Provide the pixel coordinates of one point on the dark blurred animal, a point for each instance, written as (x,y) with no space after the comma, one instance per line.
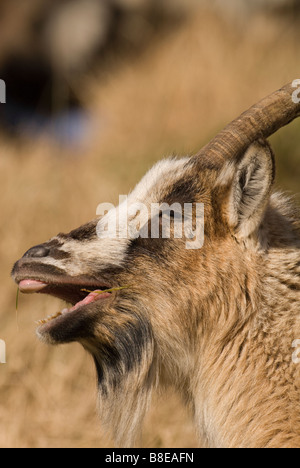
(48,47)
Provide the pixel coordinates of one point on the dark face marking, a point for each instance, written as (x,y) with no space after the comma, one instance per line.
(186,190)
(33,270)
(83,233)
(121,345)
(58,254)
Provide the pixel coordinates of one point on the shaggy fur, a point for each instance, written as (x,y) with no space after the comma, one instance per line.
(216,323)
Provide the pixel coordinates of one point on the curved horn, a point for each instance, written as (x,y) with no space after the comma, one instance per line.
(260,121)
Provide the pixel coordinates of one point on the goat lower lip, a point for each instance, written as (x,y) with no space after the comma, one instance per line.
(31,286)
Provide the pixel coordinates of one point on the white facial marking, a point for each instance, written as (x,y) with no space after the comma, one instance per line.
(111,250)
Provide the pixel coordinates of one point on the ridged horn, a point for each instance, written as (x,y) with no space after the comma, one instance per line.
(260,121)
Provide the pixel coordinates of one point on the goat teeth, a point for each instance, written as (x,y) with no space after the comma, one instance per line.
(56,315)
(48,319)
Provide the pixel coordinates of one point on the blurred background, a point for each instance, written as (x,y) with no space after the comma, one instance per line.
(97,91)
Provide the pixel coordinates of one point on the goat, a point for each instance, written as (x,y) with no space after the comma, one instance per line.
(217,323)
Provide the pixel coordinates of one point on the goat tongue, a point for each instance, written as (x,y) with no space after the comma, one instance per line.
(92,297)
(29,286)
(87,300)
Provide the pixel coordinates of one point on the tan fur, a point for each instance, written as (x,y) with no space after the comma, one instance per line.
(231,359)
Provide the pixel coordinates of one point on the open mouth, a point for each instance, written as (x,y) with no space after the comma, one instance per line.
(78,295)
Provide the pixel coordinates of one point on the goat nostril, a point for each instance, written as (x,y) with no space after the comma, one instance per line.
(37,252)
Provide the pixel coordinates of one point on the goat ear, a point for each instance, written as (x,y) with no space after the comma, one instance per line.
(250,191)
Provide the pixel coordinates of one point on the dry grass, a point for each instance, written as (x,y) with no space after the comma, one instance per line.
(173,99)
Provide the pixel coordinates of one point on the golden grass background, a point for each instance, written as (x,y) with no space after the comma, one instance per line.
(173,99)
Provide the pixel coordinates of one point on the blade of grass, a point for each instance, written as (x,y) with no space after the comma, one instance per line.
(105,290)
(17,299)
(17,307)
